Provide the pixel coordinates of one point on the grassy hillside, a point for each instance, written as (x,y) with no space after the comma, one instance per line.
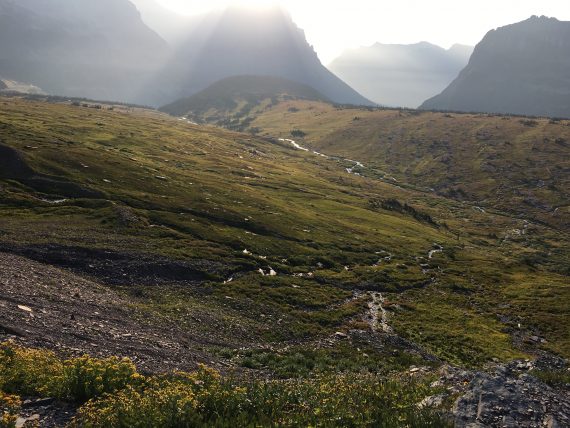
(147,184)
(513,164)
(263,259)
(231,99)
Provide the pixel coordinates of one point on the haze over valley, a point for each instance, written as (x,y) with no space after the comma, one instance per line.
(289,214)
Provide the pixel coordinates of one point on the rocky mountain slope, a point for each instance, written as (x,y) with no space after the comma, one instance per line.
(401,75)
(171,26)
(242,41)
(520,69)
(97,49)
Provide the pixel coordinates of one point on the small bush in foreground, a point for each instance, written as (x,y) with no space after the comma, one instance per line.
(120,397)
(9,405)
(41,373)
(205,399)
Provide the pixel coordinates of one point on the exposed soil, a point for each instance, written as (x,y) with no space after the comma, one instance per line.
(114,268)
(43,306)
(47,412)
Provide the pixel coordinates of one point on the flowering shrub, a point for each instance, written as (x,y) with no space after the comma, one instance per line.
(114,395)
(204,399)
(42,373)
(85,378)
(9,405)
(28,371)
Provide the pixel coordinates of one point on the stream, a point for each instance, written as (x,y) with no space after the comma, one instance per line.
(378,314)
(348,170)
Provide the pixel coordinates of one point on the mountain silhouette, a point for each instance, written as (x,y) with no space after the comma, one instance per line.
(522,68)
(98,49)
(243,41)
(401,75)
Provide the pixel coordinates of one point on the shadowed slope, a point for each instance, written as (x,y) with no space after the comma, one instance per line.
(522,68)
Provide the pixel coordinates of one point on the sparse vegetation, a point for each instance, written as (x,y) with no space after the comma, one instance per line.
(268,252)
(529,122)
(205,398)
(556,378)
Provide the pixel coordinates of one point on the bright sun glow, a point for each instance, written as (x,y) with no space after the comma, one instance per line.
(197,7)
(335,25)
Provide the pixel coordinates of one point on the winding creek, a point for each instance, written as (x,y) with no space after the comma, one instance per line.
(350,170)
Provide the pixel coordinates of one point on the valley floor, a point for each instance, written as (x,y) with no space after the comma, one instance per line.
(316,296)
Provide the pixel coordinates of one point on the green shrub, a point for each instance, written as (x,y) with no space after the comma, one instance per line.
(85,378)
(28,371)
(9,406)
(120,397)
(559,377)
(41,373)
(191,401)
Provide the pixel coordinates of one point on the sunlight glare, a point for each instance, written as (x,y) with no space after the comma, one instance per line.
(185,7)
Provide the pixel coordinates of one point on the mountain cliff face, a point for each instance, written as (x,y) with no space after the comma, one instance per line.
(2,85)
(401,75)
(171,26)
(240,41)
(82,48)
(522,68)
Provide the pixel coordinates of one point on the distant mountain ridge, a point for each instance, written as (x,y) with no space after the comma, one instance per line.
(226,94)
(96,49)
(401,75)
(104,50)
(522,68)
(242,41)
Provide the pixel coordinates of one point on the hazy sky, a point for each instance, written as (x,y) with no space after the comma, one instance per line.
(332,26)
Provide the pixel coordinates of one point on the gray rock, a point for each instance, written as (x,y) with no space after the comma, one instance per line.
(510,398)
(433,401)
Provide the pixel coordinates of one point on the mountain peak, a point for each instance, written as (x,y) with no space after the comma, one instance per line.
(242,41)
(521,68)
(542,18)
(96,49)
